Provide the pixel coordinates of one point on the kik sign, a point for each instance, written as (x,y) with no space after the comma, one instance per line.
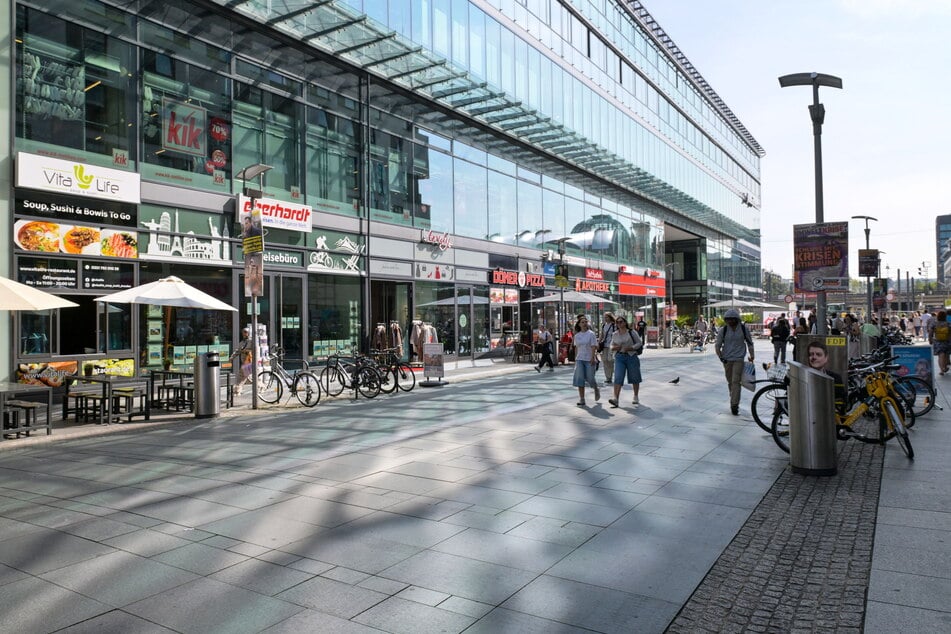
(184,127)
(76,179)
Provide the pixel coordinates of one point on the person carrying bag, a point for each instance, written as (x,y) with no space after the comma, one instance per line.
(732,342)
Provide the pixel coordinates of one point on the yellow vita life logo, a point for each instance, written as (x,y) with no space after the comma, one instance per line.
(82,180)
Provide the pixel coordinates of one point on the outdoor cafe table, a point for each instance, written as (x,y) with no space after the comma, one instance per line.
(8,390)
(163,381)
(110,383)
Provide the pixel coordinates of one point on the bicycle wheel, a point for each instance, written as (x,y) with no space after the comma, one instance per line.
(405,377)
(764,404)
(307,388)
(894,422)
(388,379)
(369,382)
(331,380)
(916,392)
(270,386)
(779,423)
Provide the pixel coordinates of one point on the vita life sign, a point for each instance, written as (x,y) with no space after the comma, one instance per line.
(45,173)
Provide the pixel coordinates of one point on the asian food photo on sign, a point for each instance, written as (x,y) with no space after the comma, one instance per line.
(51,237)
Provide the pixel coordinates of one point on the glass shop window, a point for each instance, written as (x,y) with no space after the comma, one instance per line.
(74,88)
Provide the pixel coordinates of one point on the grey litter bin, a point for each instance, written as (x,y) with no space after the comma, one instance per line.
(867,343)
(812,438)
(207,385)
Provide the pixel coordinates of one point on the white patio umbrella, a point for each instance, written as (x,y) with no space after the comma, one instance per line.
(168,291)
(17,296)
(571,296)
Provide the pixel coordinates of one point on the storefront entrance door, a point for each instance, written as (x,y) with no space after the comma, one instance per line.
(281,310)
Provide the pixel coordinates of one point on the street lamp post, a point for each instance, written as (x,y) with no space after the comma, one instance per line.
(561,273)
(253,171)
(868,281)
(817,113)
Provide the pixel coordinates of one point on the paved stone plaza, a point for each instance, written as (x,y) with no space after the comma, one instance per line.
(493,504)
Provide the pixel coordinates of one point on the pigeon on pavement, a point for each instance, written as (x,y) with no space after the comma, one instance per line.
(675,381)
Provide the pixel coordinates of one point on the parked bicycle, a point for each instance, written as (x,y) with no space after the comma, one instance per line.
(395,373)
(881,404)
(354,371)
(302,383)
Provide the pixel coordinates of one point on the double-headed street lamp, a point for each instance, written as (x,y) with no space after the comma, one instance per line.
(868,282)
(817,113)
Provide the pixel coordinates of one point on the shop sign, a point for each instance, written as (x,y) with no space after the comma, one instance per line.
(40,235)
(70,210)
(184,127)
(277,214)
(516,278)
(594,274)
(337,252)
(592,286)
(106,276)
(292,259)
(433,360)
(434,271)
(182,236)
(76,179)
(51,373)
(47,273)
(647,285)
(441,240)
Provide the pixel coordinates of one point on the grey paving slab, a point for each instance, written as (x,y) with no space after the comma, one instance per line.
(710,495)
(317,512)
(502,620)
(44,550)
(207,606)
(261,576)
(570,511)
(487,519)
(353,550)
(479,495)
(9,575)
(717,530)
(200,559)
(912,538)
(921,561)
(636,466)
(346,575)
(405,617)
(262,527)
(118,578)
(591,607)
(146,542)
(507,550)
(403,529)
(428,507)
(595,495)
(913,590)
(894,516)
(333,597)
(571,534)
(317,621)
(99,528)
(116,622)
(460,576)
(187,511)
(35,605)
(887,618)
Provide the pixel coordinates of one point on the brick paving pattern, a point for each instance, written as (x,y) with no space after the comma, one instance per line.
(802,561)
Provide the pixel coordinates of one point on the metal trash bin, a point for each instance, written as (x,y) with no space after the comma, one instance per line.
(668,337)
(812,437)
(207,385)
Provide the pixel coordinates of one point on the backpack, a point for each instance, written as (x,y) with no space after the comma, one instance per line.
(942,331)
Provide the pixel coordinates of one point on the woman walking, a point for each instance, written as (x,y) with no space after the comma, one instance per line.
(586,355)
(626,345)
(546,345)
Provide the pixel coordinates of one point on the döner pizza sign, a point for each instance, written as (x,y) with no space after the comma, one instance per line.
(516,278)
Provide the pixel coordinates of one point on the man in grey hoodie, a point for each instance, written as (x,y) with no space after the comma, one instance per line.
(732,342)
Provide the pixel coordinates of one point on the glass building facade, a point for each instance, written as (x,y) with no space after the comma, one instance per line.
(448,157)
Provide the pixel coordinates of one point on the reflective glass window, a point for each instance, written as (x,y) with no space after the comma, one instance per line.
(434,181)
(503,205)
(332,162)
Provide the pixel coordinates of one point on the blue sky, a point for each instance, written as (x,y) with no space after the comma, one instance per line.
(886,140)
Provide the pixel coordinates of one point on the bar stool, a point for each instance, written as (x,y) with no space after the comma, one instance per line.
(11,421)
(29,409)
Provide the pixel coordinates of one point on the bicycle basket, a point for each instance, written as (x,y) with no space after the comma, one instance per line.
(777,372)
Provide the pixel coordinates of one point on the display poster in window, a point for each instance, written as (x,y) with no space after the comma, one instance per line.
(821,253)
(433,360)
(155,330)
(496,295)
(51,373)
(48,273)
(254,275)
(511,296)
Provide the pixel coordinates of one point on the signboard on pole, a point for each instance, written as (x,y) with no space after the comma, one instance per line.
(868,262)
(821,253)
